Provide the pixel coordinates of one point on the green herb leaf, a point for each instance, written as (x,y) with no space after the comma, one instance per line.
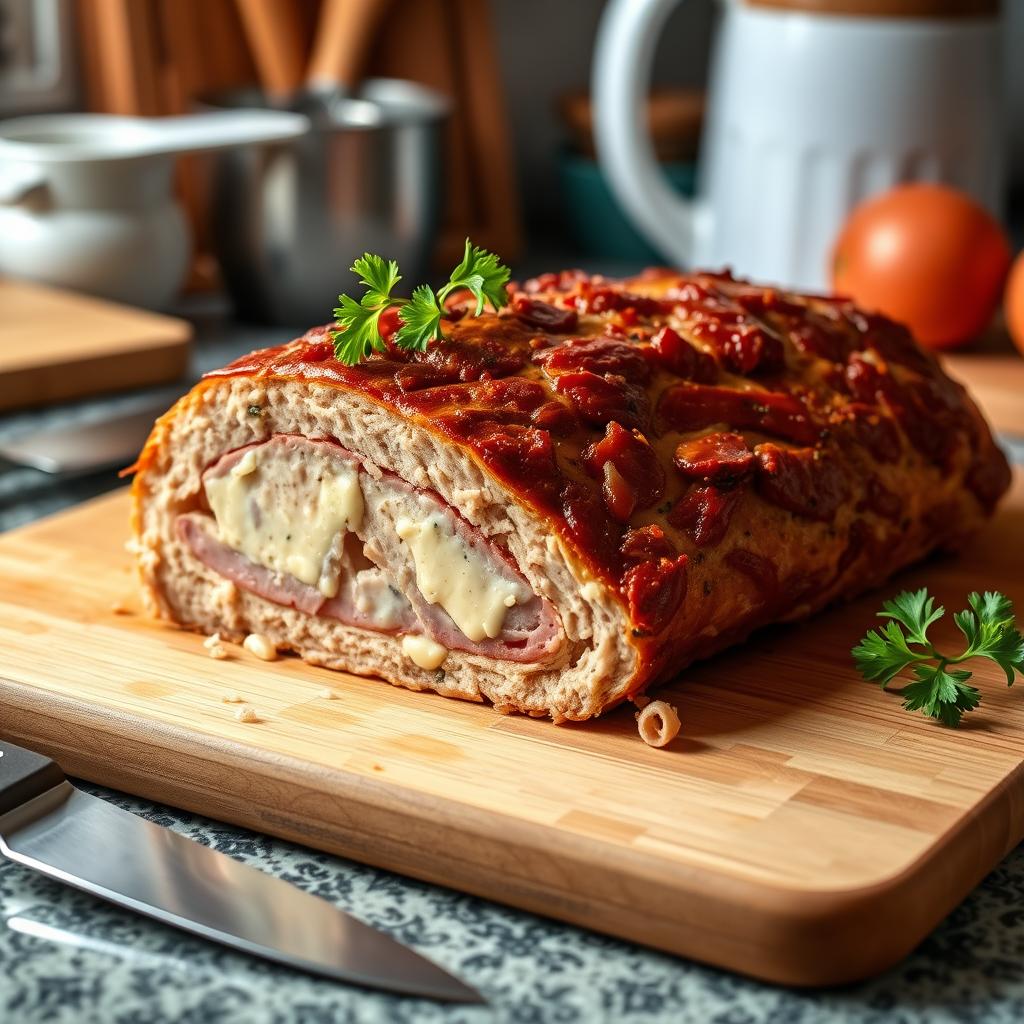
(359,334)
(358,322)
(483,274)
(939,690)
(990,632)
(915,611)
(941,694)
(421,320)
(379,276)
(883,654)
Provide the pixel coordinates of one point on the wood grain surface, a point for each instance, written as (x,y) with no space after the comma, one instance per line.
(803,829)
(56,345)
(994,374)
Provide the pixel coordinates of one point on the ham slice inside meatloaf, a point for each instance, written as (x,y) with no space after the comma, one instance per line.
(300,522)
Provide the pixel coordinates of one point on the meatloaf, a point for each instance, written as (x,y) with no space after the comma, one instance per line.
(566,502)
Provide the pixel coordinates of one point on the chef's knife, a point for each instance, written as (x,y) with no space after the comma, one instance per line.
(79,448)
(49,825)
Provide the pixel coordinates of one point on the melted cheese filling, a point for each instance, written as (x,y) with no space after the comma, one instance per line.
(462,580)
(287,515)
(290,506)
(423,651)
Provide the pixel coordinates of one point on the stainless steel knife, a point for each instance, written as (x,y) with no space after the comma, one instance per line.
(78,448)
(49,825)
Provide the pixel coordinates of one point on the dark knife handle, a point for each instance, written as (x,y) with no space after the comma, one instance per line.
(24,775)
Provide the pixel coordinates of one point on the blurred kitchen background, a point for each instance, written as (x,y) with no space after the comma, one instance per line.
(431,121)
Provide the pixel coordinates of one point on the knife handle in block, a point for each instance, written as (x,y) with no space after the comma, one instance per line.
(24,775)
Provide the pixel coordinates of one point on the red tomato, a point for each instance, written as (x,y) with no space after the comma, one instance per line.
(1013,302)
(927,256)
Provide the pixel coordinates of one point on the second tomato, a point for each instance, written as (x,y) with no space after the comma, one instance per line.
(927,256)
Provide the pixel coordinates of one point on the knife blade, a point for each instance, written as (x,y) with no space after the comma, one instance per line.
(49,825)
(81,448)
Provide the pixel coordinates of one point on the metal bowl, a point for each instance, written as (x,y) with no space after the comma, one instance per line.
(288,219)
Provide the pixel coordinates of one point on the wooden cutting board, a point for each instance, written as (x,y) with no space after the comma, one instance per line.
(56,345)
(804,828)
(993,372)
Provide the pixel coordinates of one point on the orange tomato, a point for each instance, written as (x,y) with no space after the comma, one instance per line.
(927,256)
(1013,302)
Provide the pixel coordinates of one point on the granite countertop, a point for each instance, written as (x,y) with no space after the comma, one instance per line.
(67,957)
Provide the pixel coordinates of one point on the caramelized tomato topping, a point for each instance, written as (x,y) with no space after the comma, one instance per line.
(889,339)
(720,458)
(589,522)
(654,591)
(670,351)
(811,338)
(870,428)
(695,406)
(803,481)
(599,399)
(513,394)
(743,347)
(544,316)
(460,361)
(388,325)
(521,453)
(604,299)
(631,476)
(646,542)
(704,513)
(598,355)
(866,382)
(556,417)
(561,281)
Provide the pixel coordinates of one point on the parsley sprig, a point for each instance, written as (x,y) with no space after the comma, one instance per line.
(939,690)
(358,321)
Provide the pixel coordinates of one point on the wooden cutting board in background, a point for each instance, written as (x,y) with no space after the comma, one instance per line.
(56,345)
(803,828)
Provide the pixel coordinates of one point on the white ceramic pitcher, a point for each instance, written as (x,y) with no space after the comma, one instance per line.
(808,113)
(86,199)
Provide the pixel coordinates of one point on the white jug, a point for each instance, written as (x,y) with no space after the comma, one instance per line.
(808,113)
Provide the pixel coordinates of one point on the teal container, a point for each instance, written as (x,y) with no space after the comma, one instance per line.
(597,224)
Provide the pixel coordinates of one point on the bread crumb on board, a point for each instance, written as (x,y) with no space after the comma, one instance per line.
(232,697)
(120,608)
(247,713)
(327,694)
(658,723)
(214,647)
(261,646)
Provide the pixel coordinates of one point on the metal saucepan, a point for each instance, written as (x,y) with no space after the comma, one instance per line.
(290,218)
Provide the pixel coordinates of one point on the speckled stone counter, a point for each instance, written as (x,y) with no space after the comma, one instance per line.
(70,959)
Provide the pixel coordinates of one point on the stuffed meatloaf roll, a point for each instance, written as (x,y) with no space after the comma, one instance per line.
(564,503)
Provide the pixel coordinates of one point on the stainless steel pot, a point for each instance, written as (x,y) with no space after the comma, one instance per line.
(289,219)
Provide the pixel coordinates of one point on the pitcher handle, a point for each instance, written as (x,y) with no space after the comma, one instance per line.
(23,185)
(620,78)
